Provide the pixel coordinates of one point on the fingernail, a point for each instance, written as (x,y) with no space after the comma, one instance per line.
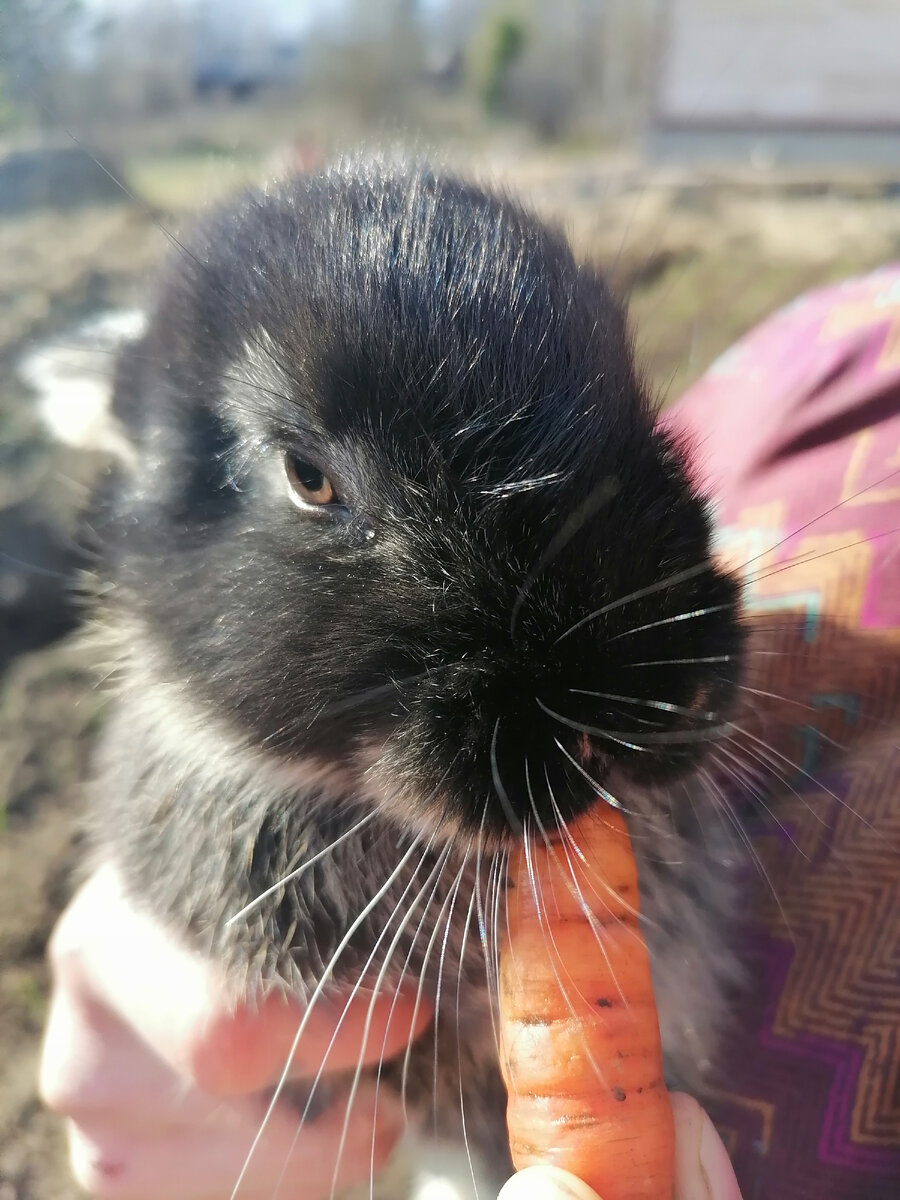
(716,1165)
(703,1169)
(545,1183)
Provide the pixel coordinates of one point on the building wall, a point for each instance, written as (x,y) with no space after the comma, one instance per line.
(780,64)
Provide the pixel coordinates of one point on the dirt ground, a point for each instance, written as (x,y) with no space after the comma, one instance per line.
(701,257)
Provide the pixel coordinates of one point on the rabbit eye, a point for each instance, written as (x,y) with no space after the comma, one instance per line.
(309,487)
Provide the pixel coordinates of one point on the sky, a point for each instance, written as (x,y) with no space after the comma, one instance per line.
(290,17)
(244,23)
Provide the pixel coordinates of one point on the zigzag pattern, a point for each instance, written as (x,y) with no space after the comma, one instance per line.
(807,640)
(844,915)
(831,1026)
(802,425)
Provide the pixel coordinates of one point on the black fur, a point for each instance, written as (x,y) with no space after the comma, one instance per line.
(469,390)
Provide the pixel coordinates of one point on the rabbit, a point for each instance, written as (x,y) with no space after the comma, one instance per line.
(400,569)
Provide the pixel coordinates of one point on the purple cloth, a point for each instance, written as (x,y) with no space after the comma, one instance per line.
(796,432)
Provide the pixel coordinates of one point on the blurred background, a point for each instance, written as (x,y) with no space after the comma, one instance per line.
(716,157)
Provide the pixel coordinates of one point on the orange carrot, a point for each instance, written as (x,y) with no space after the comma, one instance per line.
(580,1044)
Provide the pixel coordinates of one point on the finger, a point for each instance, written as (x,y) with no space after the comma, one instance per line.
(106,950)
(703,1170)
(205,1162)
(248,1048)
(105,953)
(545,1183)
(93,1067)
(136,1129)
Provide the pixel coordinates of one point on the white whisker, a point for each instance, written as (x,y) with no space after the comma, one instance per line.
(674,737)
(817,782)
(492,985)
(459,1073)
(553,954)
(351,997)
(662,705)
(317,992)
(367,1027)
(591,729)
(688,616)
(728,808)
(602,792)
(443,859)
(509,812)
(681,662)
(304,866)
(669,581)
(769,765)
(567,839)
(421,988)
(440,975)
(756,793)
(763,695)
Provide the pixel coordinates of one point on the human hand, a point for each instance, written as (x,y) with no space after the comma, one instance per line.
(703,1170)
(164,1085)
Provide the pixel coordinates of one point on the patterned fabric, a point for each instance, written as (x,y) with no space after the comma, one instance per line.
(796,431)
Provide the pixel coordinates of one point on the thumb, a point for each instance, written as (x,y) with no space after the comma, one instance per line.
(702,1168)
(545,1183)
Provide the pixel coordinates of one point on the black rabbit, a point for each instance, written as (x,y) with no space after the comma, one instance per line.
(403,568)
